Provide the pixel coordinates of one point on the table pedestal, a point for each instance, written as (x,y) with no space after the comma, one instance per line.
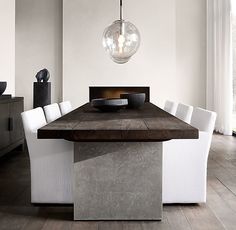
(118,181)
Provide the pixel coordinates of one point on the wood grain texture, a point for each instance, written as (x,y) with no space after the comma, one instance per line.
(176,218)
(150,123)
(201,217)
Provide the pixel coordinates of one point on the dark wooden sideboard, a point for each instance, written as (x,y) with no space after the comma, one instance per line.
(11,127)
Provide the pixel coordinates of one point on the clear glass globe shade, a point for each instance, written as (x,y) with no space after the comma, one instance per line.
(121,40)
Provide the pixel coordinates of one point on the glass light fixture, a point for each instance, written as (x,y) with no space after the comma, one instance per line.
(121,39)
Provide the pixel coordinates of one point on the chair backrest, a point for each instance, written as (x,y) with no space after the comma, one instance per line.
(52,112)
(33,119)
(184,112)
(65,107)
(204,120)
(170,107)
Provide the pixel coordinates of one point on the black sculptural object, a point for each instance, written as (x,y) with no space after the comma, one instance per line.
(42,89)
(43,75)
(3,86)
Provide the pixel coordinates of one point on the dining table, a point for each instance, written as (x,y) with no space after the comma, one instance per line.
(118,159)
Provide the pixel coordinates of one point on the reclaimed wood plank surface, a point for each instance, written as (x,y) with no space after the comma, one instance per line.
(149,123)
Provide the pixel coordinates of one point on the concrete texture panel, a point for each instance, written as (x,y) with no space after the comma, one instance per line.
(118,181)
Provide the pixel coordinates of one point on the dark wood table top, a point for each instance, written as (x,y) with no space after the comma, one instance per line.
(149,123)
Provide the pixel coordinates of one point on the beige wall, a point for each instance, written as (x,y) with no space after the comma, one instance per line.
(38,45)
(7,44)
(171,59)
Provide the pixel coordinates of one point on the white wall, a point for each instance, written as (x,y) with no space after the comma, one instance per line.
(38,45)
(7,44)
(171,58)
(191,52)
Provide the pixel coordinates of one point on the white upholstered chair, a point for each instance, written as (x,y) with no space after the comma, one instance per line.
(51,162)
(52,112)
(185,162)
(184,112)
(65,107)
(170,107)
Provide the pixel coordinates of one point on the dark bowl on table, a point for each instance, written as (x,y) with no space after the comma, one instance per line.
(135,100)
(109,105)
(3,86)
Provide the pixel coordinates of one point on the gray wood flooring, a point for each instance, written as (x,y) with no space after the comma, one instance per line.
(219,212)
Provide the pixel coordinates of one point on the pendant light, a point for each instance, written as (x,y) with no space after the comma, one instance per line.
(121,39)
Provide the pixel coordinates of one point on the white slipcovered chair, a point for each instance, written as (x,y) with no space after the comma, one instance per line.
(65,107)
(51,162)
(185,162)
(52,112)
(184,112)
(170,107)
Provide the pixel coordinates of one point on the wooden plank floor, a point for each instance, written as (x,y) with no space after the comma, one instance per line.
(219,212)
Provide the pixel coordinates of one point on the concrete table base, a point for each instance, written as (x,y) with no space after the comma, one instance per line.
(118,181)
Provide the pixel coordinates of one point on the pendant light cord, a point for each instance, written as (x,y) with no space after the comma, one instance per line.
(121,10)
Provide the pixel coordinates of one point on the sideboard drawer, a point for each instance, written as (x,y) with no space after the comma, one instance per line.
(11,128)
(15,122)
(4,128)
